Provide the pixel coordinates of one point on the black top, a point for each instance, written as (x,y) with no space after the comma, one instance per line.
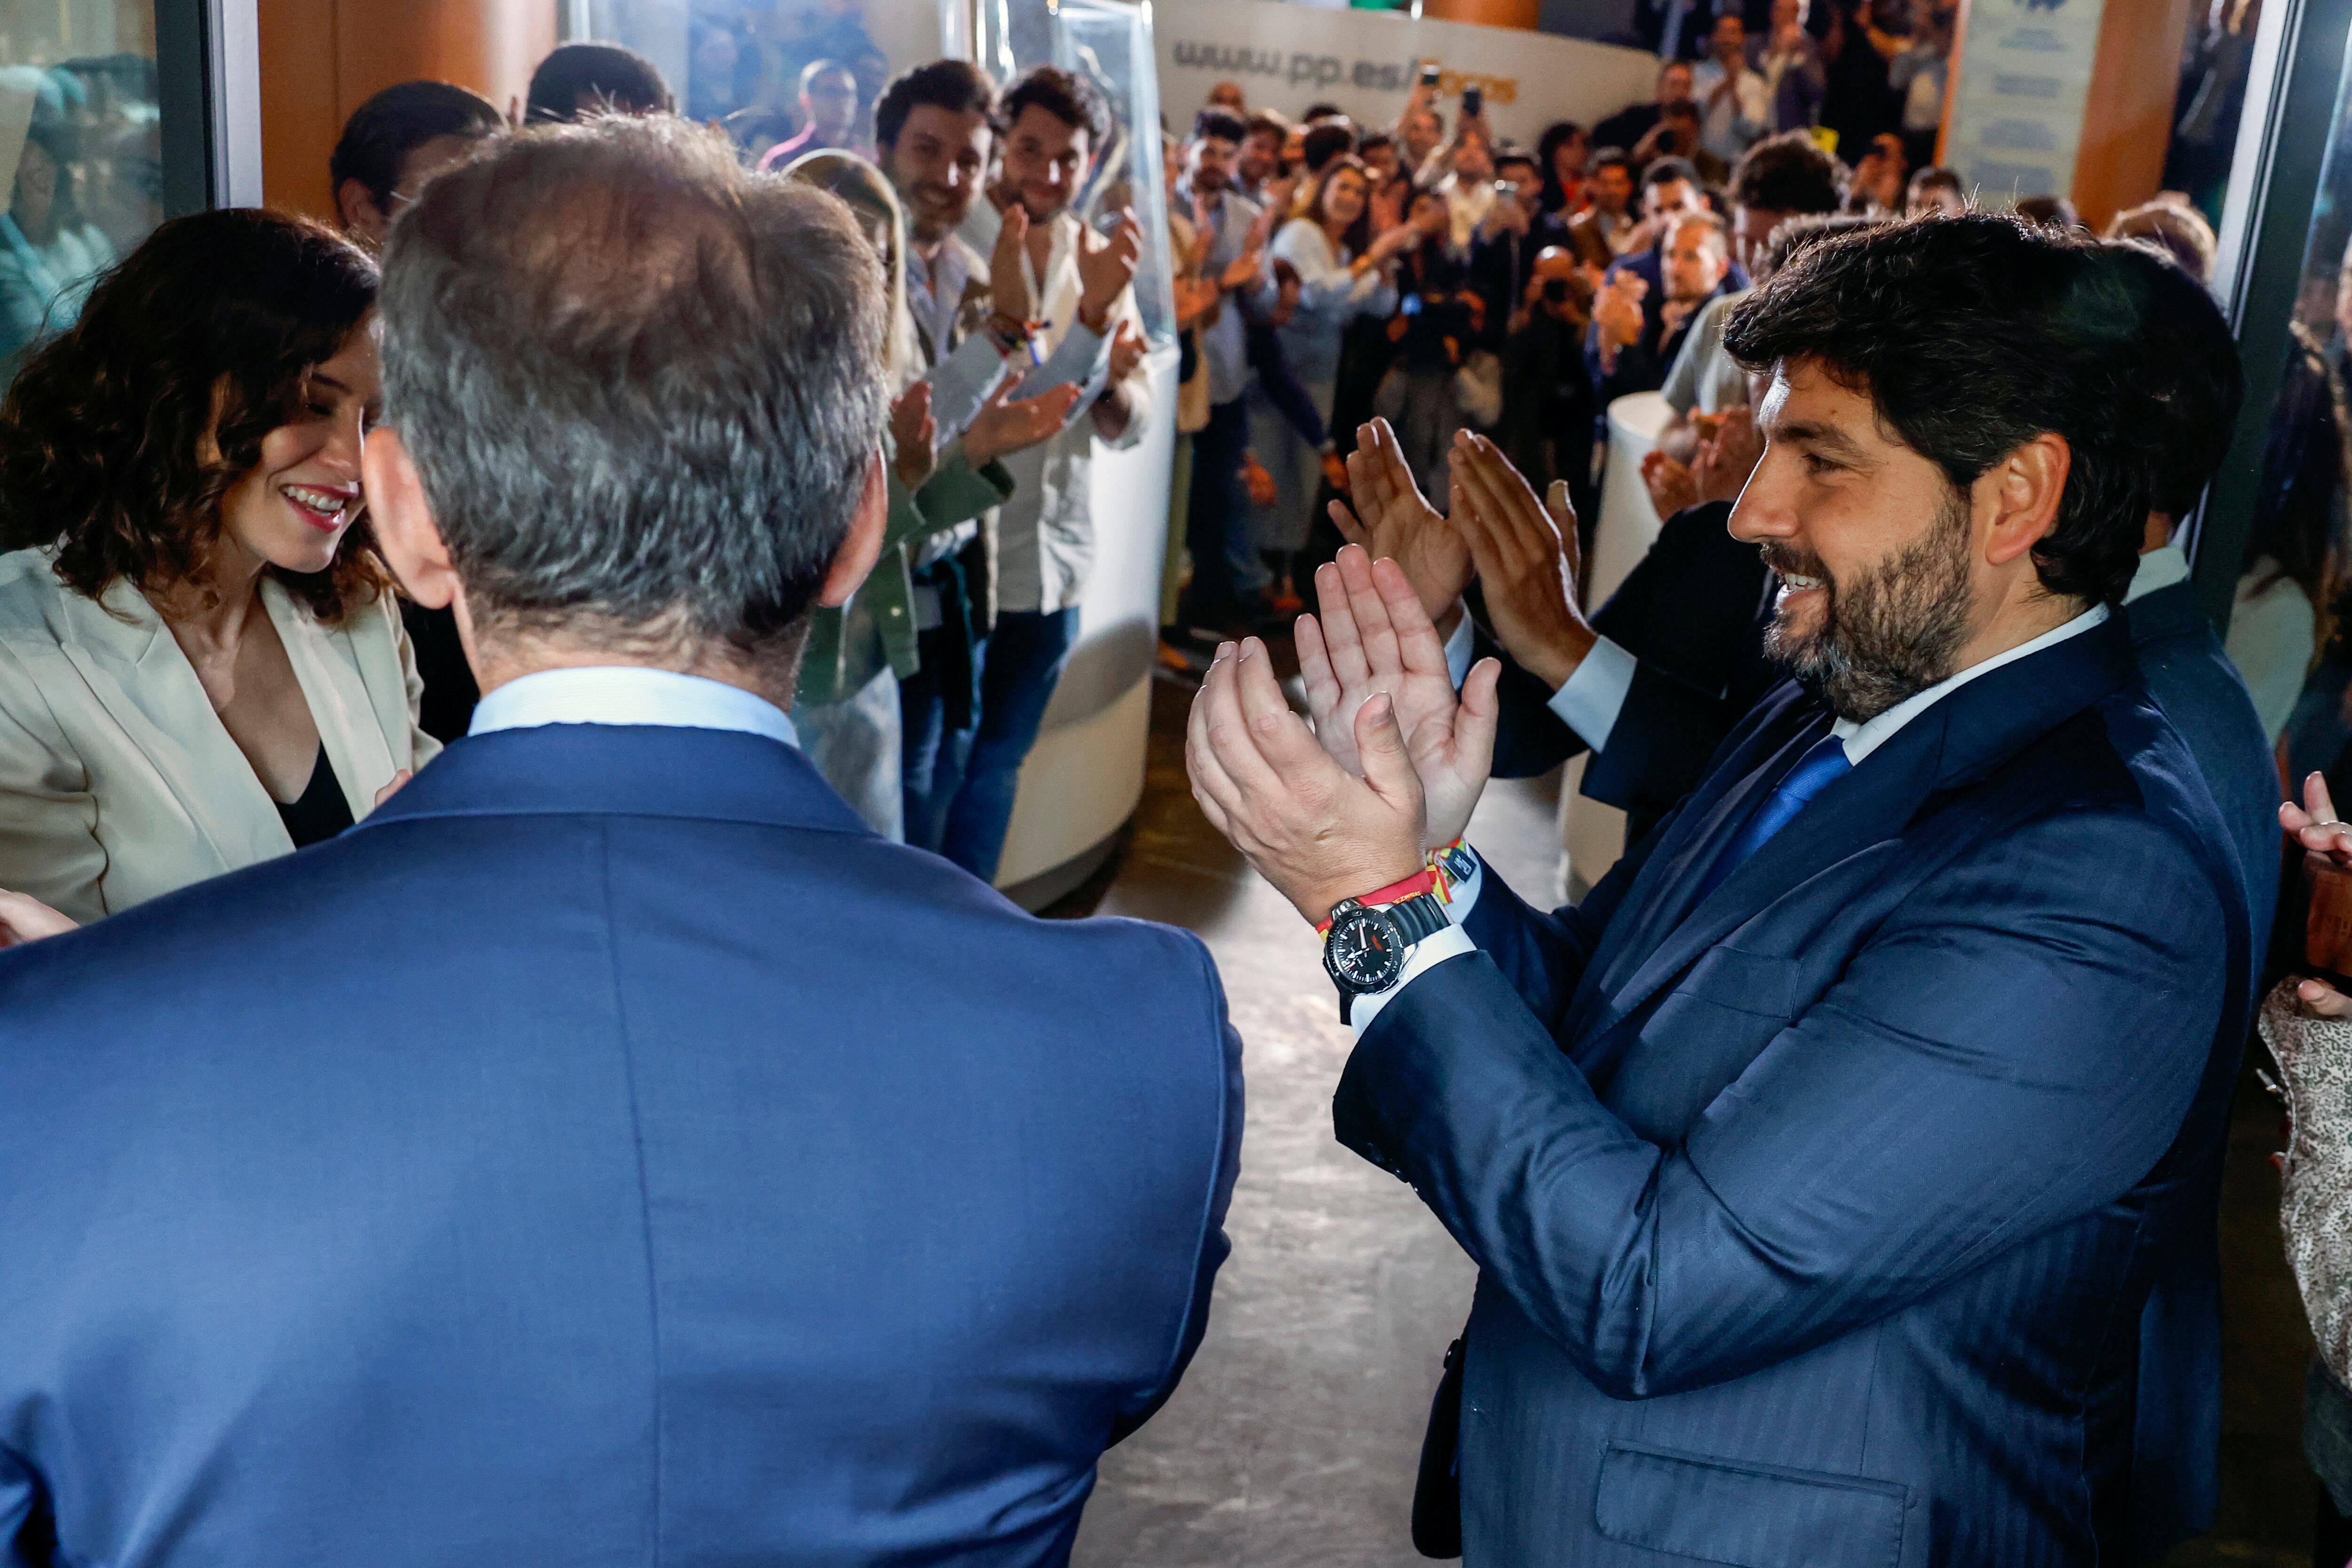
(321,812)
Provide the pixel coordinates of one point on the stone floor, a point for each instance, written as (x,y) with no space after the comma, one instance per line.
(1293,1440)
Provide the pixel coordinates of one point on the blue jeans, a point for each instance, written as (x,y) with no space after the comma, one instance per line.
(1217,531)
(1020,666)
(938,709)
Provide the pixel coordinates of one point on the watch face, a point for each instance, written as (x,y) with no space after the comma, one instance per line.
(1365,950)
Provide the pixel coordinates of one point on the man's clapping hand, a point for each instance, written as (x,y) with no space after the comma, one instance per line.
(1315,830)
(1375,637)
(1617,313)
(1008,278)
(1526,552)
(1397,522)
(1727,453)
(1672,485)
(1106,267)
(913,431)
(1006,424)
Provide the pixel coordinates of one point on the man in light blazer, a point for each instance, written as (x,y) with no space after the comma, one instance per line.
(610,1151)
(1818,1164)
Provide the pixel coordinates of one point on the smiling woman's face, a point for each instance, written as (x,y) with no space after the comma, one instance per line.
(292,509)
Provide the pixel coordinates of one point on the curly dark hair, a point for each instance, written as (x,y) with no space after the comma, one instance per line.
(1972,335)
(120,435)
(1787,173)
(1066,95)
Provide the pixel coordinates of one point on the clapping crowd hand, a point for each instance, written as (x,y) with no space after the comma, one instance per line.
(1126,346)
(1672,485)
(1526,552)
(1727,455)
(1007,425)
(2316,828)
(1008,278)
(1375,638)
(913,433)
(1106,267)
(1617,313)
(1397,522)
(1242,271)
(24,918)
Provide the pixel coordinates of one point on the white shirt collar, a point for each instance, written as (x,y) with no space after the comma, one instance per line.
(1862,740)
(2158,569)
(628,694)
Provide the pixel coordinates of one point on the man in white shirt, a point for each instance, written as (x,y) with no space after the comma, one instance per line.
(1735,102)
(1079,285)
(1873,1089)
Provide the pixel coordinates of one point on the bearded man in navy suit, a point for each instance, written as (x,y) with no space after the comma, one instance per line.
(1819,1163)
(609,1151)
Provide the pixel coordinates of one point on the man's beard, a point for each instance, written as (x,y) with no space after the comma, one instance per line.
(1890,634)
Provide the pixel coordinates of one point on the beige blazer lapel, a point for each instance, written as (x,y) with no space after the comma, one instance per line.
(135,669)
(326,667)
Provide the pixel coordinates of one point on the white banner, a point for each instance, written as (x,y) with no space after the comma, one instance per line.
(2017,108)
(1287,57)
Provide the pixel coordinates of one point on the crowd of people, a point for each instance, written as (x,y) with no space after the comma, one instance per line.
(614,550)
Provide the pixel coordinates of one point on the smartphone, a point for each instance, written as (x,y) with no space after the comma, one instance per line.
(1473,101)
(1429,73)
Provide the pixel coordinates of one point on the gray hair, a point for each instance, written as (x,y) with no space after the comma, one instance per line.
(643,386)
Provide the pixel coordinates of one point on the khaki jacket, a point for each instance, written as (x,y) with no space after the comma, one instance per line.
(118,782)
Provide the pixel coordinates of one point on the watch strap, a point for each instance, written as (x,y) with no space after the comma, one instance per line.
(1420,882)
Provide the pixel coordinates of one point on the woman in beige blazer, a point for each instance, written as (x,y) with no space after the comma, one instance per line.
(202,665)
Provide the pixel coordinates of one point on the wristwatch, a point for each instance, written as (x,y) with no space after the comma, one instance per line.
(1366,945)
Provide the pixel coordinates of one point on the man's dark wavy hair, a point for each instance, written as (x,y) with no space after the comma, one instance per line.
(1972,335)
(119,437)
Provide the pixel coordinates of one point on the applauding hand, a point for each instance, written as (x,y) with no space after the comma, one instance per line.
(1399,524)
(1008,278)
(1005,424)
(1106,267)
(912,433)
(1318,832)
(1525,553)
(1375,638)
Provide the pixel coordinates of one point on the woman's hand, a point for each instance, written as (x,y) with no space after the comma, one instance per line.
(24,918)
(389,790)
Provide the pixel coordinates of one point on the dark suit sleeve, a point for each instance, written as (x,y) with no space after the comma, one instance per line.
(1543,956)
(26,1538)
(2015,1048)
(1214,1244)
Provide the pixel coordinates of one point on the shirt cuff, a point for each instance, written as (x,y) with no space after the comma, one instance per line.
(1458,649)
(1590,700)
(1427,954)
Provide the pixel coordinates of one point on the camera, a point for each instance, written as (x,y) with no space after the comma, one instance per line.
(1555,290)
(1473,101)
(1429,74)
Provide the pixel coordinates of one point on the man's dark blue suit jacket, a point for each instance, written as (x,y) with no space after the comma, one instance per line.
(1815,1220)
(609,1153)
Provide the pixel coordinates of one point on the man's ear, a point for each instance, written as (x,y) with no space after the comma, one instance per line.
(2024,490)
(405,531)
(362,219)
(862,547)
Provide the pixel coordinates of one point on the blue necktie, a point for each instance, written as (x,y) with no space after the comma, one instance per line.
(1824,760)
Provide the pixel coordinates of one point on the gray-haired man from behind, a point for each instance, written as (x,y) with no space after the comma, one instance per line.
(609,1151)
